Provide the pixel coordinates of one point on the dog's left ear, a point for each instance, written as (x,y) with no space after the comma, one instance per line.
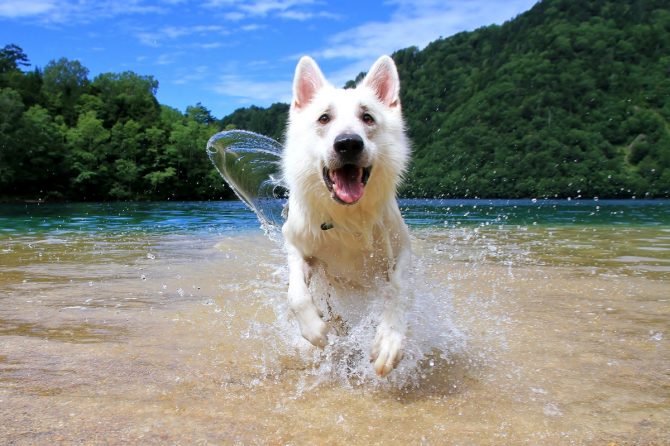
(384,81)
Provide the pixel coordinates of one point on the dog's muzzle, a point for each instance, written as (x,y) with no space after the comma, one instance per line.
(346,178)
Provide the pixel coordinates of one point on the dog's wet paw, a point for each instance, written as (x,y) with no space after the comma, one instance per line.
(312,327)
(387,350)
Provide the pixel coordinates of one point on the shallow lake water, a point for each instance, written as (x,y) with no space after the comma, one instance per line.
(166,323)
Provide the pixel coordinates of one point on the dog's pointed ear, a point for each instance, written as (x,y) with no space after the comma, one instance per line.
(307,81)
(384,81)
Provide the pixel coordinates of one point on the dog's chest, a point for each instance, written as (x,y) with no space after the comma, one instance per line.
(353,258)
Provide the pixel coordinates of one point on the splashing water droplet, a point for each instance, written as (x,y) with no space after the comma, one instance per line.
(251,165)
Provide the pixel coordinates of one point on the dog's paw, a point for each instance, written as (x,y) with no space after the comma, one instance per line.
(312,326)
(387,350)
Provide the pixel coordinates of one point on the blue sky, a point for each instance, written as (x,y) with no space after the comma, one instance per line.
(228,54)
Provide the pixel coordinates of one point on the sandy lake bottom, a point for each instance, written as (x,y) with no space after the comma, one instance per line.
(519,335)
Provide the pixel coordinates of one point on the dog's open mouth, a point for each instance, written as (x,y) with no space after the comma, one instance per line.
(346,183)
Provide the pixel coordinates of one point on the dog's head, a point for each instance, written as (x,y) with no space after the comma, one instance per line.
(351,141)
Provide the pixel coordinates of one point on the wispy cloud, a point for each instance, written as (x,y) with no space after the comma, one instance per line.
(353,50)
(207,46)
(413,23)
(303,16)
(25,8)
(168,58)
(83,11)
(171,33)
(193,74)
(233,16)
(417,25)
(265,7)
(249,91)
(236,10)
(252,27)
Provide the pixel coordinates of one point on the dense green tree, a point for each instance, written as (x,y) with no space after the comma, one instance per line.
(64,81)
(87,151)
(41,158)
(269,121)
(126,96)
(200,114)
(12,109)
(12,58)
(188,157)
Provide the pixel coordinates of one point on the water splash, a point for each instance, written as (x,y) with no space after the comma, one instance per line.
(433,338)
(251,165)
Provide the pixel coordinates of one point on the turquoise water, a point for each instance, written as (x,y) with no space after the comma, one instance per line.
(225,216)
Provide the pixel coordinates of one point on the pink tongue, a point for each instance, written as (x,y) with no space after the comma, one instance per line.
(348,183)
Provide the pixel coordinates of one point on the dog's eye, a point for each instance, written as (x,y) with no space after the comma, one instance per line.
(324,118)
(368,119)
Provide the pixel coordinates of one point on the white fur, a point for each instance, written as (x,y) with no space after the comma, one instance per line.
(368,246)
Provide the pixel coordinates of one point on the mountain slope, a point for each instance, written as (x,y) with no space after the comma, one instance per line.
(568,99)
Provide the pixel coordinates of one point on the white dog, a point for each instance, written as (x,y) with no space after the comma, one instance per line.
(344,156)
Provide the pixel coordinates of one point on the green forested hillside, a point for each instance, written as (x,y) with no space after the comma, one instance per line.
(64,136)
(571,98)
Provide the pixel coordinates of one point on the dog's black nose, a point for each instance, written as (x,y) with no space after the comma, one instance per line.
(348,145)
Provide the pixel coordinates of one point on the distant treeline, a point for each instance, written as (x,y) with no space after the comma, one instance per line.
(66,137)
(570,98)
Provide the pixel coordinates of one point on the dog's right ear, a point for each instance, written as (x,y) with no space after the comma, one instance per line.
(307,81)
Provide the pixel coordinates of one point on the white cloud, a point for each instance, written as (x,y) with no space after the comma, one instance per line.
(194,74)
(248,91)
(64,11)
(353,50)
(252,27)
(236,10)
(417,24)
(168,58)
(300,16)
(170,33)
(412,23)
(264,7)
(234,16)
(207,46)
(303,16)
(219,3)
(25,8)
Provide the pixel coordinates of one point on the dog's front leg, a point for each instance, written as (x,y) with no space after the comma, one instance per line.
(387,350)
(300,300)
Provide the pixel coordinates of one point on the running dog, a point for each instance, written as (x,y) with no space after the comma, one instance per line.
(344,157)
